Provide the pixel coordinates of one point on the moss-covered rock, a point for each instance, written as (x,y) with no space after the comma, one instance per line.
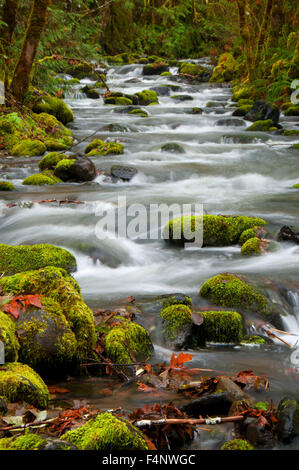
(6,186)
(118,100)
(54,106)
(226,69)
(155,68)
(49,161)
(295,186)
(186,68)
(237,444)
(262,126)
(228,290)
(139,112)
(41,179)
(17,259)
(56,285)
(29,148)
(172,147)
(292,111)
(30,441)
(177,324)
(58,137)
(252,247)
(8,337)
(242,110)
(250,233)
(290,132)
(147,97)
(98,147)
(126,337)
(253,339)
(221,327)
(107,432)
(218,230)
(18,382)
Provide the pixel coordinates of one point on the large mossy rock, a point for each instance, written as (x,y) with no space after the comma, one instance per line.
(77,169)
(49,161)
(41,179)
(17,259)
(194,70)
(9,338)
(63,319)
(262,126)
(30,441)
(221,327)
(263,111)
(54,106)
(107,432)
(126,340)
(98,147)
(29,148)
(155,68)
(228,290)
(288,420)
(18,382)
(225,70)
(218,230)
(147,97)
(176,325)
(6,186)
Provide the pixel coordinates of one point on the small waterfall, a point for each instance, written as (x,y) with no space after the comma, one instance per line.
(291,322)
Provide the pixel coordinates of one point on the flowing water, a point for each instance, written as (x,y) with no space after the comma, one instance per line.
(253,179)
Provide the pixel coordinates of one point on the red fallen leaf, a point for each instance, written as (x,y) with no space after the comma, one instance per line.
(130,299)
(54,390)
(179,361)
(145,388)
(21,302)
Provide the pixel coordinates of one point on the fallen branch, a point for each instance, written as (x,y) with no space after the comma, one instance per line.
(211,421)
(269,333)
(38,424)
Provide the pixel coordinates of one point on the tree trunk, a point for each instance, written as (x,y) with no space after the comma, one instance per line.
(9,16)
(264,31)
(37,21)
(245,35)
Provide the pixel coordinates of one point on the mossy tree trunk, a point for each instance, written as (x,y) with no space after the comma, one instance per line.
(264,34)
(37,21)
(245,35)
(9,17)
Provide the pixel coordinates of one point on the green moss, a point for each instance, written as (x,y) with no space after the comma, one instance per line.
(262,126)
(253,340)
(55,107)
(251,247)
(106,432)
(147,97)
(242,110)
(98,147)
(177,300)
(295,186)
(18,382)
(28,441)
(29,148)
(226,69)
(124,337)
(139,112)
(296,146)
(41,179)
(175,318)
(56,145)
(55,284)
(247,234)
(245,102)
(6,186)
(221,327)
(237,444)
(118,100)
(8,337)
(292,111)
(5,443)
(218,230)
(166,74)
(227,290)
(290,132)
(192,69)
(242,93)
(65,164)
(49,161)
(17,259)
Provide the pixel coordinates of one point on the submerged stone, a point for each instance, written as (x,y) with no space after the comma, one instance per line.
(176,325)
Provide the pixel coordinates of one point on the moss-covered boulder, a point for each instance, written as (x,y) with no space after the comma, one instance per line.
(17,259)
(29,148)
(228,290)
(288,420)
(251,233)
(49,161)
(126,338)
(99,147)
(6,186)
(241,111)
(54,106)
(155,68)
(237,444)
(253,339)
(253,246)
(244,92)
(138,112)
(107,432)
(225,70)
(198,71)
(292,111)
(77,169)
(172,147)
(262,126)
(18,383)
(118,100)
(221,327)
(41,179)
(9,338)
(65,309)
(57,136)
(218,230)
(147,97)
(176,325)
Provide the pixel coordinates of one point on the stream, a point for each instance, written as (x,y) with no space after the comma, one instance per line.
(253,179)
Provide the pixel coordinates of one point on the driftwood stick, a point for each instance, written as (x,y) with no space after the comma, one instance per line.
(160,422)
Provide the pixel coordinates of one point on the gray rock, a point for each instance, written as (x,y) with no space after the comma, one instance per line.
(262,111)
(125,173)
(288,420)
